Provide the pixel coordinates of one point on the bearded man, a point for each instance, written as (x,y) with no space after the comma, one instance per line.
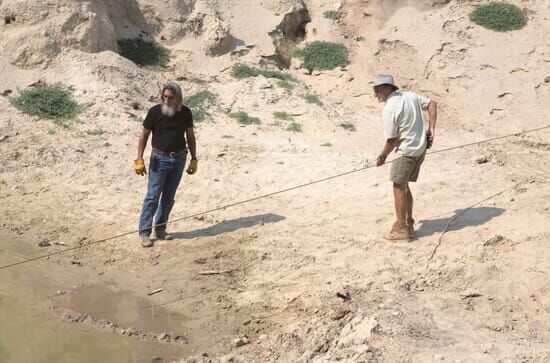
(172,126)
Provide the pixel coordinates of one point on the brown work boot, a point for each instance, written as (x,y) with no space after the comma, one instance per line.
(410,227)
(164,235)
(145,241)
(398,233)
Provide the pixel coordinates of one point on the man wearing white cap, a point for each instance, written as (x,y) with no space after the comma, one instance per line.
(405,131)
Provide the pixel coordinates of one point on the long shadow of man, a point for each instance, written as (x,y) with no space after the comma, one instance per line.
(470,218)
(230,226)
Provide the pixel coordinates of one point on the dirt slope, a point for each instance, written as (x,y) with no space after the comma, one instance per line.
(304,275)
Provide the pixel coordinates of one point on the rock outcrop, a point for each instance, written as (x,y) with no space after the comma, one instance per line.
(205,23)
(37,32)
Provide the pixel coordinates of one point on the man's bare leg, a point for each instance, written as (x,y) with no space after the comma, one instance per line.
(401,200)
(410,219)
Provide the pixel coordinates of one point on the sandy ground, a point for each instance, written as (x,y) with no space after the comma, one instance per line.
(304,275)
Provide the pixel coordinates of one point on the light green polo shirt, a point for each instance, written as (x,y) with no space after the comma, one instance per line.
(403,118)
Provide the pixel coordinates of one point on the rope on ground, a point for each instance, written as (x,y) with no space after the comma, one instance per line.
(264,196)
(439,240)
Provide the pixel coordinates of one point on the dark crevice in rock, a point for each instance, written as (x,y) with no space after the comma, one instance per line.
(9,19)
(288,33)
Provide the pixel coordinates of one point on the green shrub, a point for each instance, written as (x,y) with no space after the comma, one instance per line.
(198,81)
(313,98)
(286,85)
(143,52)
(227,137)
(331,14)
(294,127)
(241,71)
(50,102)
(499,16)
(200,115)
(281,115)
(326,144)
(95,132)
(198,99)
(245,119)
(348,126)
(278,75)
(198,103)
(323,55)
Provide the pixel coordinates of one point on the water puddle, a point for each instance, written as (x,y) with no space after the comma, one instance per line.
(125,310)
(28,335)
(29,332)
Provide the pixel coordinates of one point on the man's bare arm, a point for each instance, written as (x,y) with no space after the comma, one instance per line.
(388,148)
(432,116)
(191,142)
(142,142)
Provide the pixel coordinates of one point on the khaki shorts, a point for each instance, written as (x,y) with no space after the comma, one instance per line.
(406,169)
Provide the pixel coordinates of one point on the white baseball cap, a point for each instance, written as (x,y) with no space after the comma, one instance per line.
(380,79)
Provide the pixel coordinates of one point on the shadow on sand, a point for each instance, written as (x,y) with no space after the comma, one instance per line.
(230,226)
(472,217)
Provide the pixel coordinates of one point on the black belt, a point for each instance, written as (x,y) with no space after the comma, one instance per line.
(172,154)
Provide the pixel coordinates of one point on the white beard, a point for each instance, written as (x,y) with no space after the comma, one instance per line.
(167,110)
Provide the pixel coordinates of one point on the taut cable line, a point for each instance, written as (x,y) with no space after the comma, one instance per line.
(265,196)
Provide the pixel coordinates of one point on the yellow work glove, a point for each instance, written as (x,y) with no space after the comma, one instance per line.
(139,167)
(192,169)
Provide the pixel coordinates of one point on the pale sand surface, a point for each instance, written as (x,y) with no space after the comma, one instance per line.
(289,254)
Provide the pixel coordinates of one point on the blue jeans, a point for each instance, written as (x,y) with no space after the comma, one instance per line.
(164,178)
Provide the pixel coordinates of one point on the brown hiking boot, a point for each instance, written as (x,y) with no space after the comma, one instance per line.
(398,233)
(164,235)
(145,241)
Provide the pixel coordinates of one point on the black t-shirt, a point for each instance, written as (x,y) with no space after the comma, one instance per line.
(168,132)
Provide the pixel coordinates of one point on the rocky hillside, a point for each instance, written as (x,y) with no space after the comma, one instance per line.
(69,182)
